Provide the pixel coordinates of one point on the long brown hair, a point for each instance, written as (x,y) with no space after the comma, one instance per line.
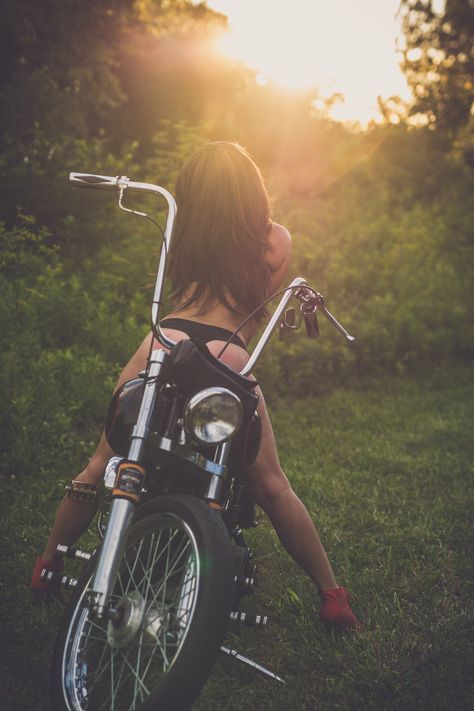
(221,232)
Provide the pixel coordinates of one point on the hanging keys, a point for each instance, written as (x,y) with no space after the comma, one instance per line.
(310,319)
(312,326)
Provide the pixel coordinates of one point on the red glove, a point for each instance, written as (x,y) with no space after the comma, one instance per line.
(335,611)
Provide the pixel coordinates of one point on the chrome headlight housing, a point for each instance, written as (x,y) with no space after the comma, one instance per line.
(213,415)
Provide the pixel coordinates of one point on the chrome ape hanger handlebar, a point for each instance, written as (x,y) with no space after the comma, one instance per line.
(120,183)
(311,300)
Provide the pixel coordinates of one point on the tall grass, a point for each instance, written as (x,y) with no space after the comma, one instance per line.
(385,468)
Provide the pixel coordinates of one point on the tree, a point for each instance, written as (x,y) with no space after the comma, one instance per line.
(438,61)
(73,93)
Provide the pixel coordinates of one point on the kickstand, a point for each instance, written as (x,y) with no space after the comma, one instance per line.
(257,667)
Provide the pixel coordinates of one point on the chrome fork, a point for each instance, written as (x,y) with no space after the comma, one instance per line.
(122,510)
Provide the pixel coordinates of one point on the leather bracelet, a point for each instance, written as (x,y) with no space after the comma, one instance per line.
(81,491)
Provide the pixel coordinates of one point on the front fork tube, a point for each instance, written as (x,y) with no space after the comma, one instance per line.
(214,488)
(122,509)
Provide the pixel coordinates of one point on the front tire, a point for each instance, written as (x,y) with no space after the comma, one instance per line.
(174,591)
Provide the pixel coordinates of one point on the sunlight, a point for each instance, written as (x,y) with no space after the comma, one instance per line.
(261,79)
(291,74)
(338,47)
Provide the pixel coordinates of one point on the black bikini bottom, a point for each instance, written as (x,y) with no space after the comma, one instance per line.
(202,331)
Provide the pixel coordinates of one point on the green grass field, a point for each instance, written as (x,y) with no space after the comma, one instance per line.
(386,470)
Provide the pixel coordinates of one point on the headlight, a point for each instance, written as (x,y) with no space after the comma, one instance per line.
(213,415)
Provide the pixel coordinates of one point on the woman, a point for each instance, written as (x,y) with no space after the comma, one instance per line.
(226,258)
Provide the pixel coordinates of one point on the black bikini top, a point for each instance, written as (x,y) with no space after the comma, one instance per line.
(202,331)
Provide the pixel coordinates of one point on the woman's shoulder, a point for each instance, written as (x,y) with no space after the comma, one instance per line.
(279,247)
(280,235)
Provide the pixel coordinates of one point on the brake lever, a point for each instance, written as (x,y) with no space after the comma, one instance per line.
(336,323)
(312,301)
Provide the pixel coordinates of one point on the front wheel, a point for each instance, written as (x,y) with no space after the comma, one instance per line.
(173,592)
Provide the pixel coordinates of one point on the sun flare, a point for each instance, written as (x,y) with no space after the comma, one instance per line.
(340,47)
(292,74)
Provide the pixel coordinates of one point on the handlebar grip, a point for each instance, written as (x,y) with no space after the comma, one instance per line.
(103,182)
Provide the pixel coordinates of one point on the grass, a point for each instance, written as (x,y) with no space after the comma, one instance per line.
(385,468)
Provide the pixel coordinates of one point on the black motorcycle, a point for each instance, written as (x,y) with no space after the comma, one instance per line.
(149,614)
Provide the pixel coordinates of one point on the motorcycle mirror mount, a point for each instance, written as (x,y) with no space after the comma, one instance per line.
(289,323)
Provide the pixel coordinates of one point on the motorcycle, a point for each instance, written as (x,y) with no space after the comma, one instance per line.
(148,616)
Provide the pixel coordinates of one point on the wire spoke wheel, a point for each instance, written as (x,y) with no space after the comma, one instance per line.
(126,663)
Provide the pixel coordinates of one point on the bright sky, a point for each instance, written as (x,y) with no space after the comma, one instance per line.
(343,46)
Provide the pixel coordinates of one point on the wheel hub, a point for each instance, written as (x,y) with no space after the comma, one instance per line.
(129,617)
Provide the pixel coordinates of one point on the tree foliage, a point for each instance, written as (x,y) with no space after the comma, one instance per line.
(74,87)
(438,60)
